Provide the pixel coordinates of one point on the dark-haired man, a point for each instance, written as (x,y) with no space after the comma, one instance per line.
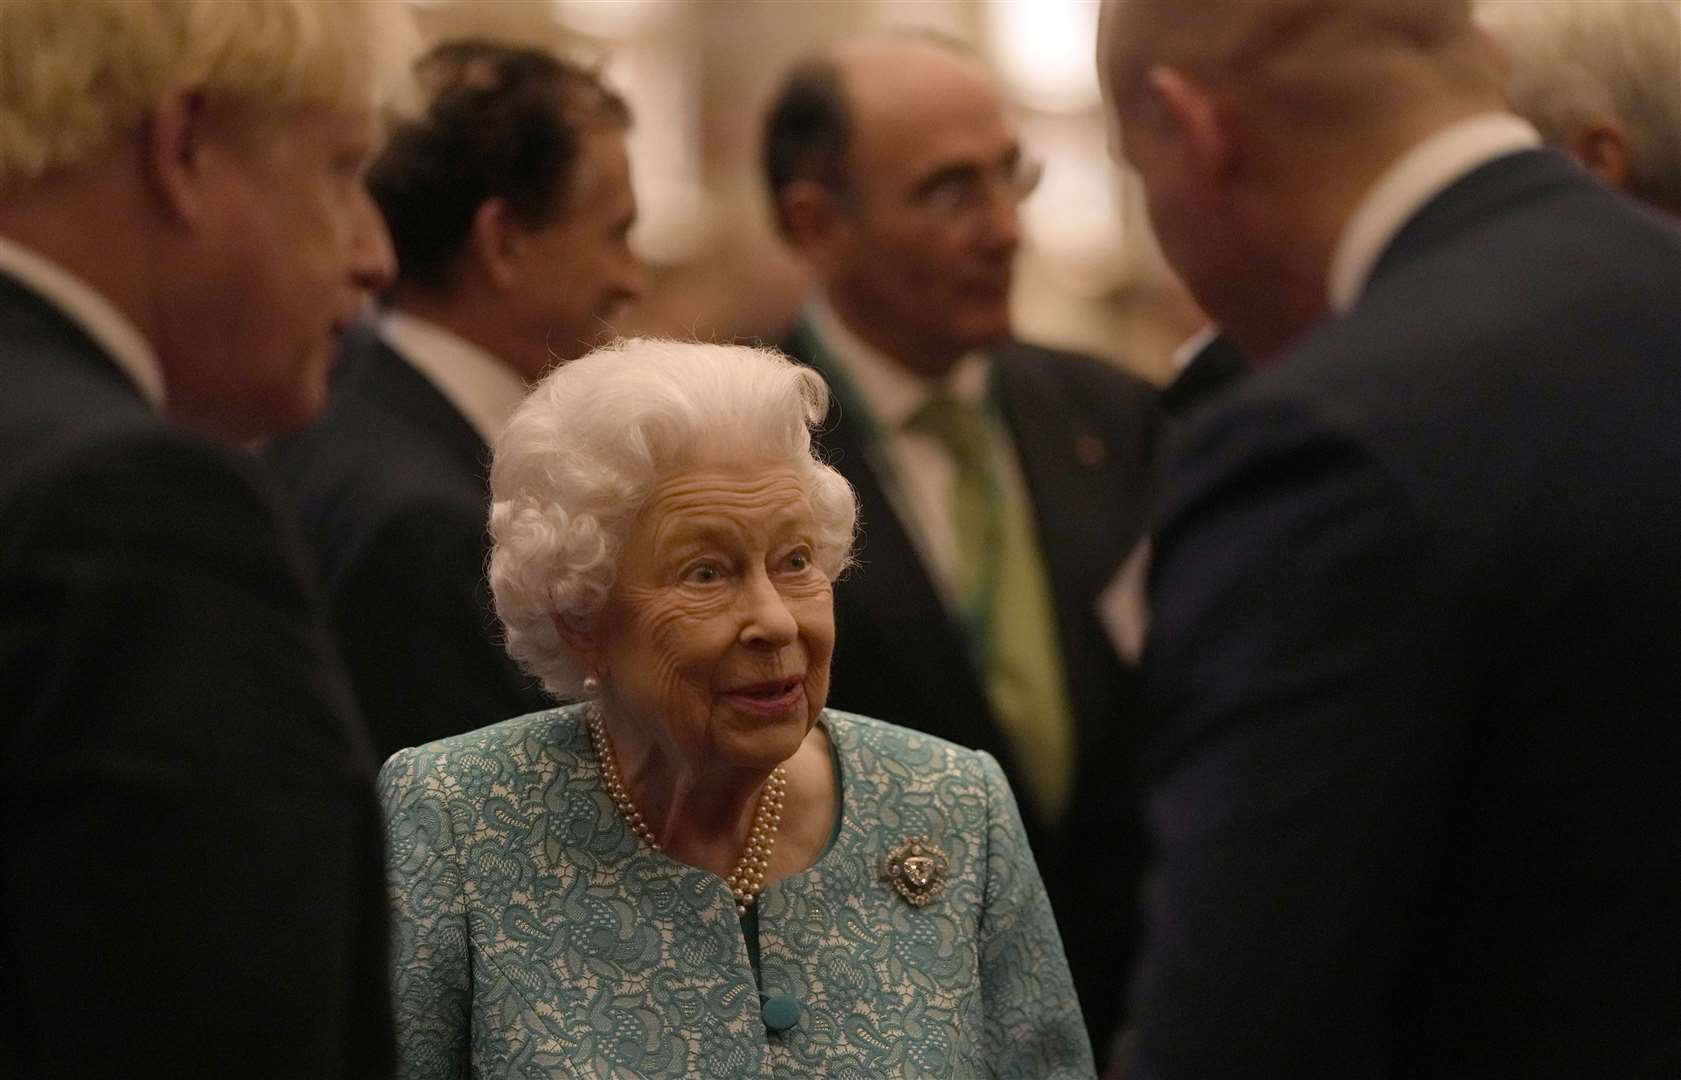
(509,204)
(1000,484)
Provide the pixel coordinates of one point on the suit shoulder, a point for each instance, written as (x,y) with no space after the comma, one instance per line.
(164,476)
(61,410)
(1037,381)
(371,464)
(1074,367)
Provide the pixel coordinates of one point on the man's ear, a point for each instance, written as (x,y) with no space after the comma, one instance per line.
(175,150)
(1198,127)
(1602,146)
(814,222)
(495,240)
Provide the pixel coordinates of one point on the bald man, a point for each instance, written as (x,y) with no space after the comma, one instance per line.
(1000,484)
(1415,666)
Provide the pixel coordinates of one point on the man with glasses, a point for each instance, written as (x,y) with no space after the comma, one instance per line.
(1000,484)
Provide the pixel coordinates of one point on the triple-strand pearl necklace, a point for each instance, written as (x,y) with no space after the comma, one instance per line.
(748,877)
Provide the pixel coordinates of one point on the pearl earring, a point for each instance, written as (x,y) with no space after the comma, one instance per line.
(592,685)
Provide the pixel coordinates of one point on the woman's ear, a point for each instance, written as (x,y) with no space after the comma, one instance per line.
(576,632)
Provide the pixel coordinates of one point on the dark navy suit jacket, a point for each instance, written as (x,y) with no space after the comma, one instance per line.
(1415,667)
(392,488)
(193,870)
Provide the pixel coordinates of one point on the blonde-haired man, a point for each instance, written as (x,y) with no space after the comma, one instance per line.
(1414,665)
(192,868)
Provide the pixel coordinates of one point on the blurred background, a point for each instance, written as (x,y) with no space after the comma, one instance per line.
(698,74)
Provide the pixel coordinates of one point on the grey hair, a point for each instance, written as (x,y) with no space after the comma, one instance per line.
(580,455)
(1575,60)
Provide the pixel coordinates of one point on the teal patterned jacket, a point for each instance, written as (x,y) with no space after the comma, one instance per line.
(536,936)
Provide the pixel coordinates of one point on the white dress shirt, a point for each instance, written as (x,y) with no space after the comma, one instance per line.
(1191,347)
(98,317)
(915,468)
(482,388)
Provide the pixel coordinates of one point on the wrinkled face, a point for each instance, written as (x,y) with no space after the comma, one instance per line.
(292,246)
(717,634)
(578,273)
(935,180)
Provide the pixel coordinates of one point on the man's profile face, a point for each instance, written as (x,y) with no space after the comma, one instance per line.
(577,272)
(1142,139)
(935,178)
(294,248)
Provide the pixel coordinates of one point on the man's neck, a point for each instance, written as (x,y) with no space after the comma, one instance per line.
(914,353)
(78,222)
(1298,221)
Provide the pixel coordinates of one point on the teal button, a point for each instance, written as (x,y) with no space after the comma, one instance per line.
(781,1012)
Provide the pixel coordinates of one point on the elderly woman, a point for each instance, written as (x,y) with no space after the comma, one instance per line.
(698,870)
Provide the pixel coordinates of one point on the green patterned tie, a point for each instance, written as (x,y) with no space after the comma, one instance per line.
(1008,616)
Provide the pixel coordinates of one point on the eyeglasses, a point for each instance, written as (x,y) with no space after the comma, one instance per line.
(963,193)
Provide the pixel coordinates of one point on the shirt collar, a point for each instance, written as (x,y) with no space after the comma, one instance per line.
(1415,178)
(891,392)
(482,388)
(1192,347)
(99,318)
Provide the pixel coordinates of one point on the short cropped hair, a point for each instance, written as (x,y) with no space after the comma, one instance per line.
(808,128)
(580,455)
(498,122)
(1322,68)
(78,77)
(1618,59)
(806,131)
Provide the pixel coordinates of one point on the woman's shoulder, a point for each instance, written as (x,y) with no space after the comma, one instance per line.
(880,746)
(515,742)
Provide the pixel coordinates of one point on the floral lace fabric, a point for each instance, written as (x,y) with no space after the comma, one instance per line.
(536,936)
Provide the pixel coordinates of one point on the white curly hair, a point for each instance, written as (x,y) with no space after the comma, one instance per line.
(579,456)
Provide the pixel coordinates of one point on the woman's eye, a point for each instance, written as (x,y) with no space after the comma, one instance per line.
(798,560)
(702,574)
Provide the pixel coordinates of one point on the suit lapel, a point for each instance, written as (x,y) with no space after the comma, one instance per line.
(1068,471)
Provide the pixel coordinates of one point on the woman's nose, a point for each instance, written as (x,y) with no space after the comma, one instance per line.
(767,619)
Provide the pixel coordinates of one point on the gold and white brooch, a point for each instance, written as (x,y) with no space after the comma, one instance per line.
(916,869)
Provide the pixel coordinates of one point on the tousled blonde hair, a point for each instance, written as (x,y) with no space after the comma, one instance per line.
(77,77)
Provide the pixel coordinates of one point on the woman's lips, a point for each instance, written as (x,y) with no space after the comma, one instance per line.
(768,698)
